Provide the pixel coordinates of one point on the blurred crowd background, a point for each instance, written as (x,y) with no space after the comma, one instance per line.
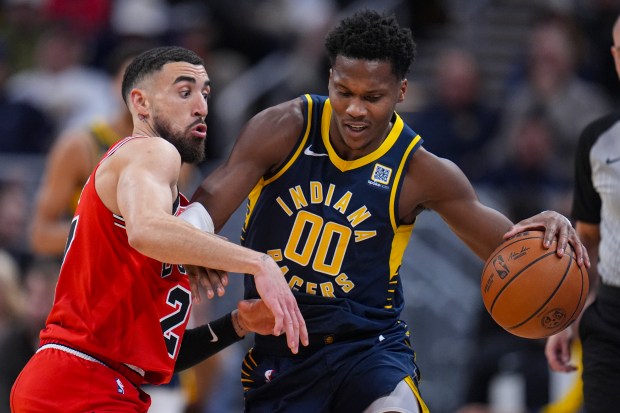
(501,87)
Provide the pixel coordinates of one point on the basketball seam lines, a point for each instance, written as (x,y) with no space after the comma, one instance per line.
(557,287)
(499,293)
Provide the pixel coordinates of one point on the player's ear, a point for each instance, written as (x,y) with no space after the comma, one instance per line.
(403,90)
(139,101)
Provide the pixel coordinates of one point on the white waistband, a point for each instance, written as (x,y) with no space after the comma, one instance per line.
(70,351)
(85,356)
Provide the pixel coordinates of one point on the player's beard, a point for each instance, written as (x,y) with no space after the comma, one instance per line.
(192,149)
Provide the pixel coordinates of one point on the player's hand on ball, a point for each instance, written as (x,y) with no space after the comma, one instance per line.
(213,281)
(556,226)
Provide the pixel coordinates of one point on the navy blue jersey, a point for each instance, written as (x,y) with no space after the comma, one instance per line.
(332,226)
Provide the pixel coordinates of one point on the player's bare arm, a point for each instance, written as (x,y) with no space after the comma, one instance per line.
(68,166)
(139,183)
(262,146)
(480,227)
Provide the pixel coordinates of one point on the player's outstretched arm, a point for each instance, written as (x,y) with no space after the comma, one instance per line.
(139,183)
(251,316)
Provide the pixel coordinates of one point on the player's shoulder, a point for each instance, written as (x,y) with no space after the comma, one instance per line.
(600,125)
(435,172)
(276,123)
(284,113)
(150,149)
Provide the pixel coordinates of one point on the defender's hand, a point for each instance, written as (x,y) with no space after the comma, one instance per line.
(274,290)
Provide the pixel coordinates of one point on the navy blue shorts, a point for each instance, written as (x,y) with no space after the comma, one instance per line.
(334,375)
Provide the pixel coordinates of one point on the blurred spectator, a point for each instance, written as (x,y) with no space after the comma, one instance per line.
(9,292)
(23,127)
(146,19)
(22,340)
(21,27)
(60,84)
(192,27)
(531,179)
(88,17)
(595,17)
(552,83)
(14,213)
(458,123)
(287,59)
(73,157)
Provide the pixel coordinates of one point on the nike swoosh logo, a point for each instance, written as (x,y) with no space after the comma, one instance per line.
(612,160)
(214,339)
(310,152)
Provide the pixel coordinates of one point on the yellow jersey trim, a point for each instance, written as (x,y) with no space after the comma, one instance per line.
(415,391)
(344,165)
(258,188)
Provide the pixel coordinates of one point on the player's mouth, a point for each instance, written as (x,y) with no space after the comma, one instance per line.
(356,128)
(200,131)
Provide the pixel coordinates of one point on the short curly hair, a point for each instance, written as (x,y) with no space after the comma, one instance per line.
(369,35)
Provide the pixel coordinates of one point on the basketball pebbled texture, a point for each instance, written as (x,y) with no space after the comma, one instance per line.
(530,291)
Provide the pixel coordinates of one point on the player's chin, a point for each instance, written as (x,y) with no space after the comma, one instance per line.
(193,153)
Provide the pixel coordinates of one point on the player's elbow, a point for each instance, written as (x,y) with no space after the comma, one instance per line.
(139,237)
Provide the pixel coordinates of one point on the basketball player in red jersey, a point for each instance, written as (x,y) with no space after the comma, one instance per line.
(123,298)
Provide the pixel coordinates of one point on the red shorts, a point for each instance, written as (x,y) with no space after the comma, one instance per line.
(57,381)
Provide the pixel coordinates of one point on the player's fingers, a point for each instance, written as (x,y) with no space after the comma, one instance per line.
(565,229)
(553,358)
(199,274)
(213,279)
(534,223)
(194,288)
(278,315)
(291,328)
(303,331)
(585,257)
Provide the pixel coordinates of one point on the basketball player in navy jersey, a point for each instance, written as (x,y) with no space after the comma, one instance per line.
(335,185)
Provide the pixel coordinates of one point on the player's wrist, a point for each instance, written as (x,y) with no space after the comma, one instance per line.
(238,325)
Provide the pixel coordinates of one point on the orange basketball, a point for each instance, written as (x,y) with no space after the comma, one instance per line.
(530,291)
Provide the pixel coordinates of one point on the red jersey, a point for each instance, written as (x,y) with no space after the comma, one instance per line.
(114,302)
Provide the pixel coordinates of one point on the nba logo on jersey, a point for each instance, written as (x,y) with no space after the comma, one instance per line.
(119,386)
(269,375)
(381,174)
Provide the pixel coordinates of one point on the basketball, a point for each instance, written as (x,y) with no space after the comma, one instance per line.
(530,291)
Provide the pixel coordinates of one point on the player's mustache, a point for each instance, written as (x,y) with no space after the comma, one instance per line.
(199,121)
